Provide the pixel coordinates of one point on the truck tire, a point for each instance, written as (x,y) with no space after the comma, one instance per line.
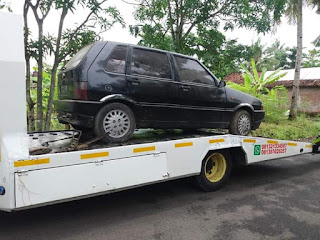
(215,171)
(241,123)
(116,122)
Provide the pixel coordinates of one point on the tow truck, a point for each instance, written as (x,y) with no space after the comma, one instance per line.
(43,168)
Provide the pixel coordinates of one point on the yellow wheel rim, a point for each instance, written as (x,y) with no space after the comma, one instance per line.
(215,167)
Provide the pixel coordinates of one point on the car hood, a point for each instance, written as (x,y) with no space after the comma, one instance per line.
(241,97)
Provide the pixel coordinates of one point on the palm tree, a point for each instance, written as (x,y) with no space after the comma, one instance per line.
(316,4)
(294,15)
(316,42)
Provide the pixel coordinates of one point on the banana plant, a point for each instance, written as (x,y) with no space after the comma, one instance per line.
(258,82)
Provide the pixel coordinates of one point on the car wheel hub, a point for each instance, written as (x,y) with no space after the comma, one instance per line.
(244,125)
(116,123)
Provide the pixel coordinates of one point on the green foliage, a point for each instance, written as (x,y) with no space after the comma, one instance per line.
(191,27)
(301,129)
(316,42)
(270,57)
(258,82)
(312,58)
(275,102)
(5,6)
(46,88)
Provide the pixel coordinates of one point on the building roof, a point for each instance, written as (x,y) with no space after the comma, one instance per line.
(305,74)
(309,77)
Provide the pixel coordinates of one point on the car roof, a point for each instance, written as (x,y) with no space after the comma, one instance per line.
(150,48)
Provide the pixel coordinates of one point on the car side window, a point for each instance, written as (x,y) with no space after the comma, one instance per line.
(117,60)
(192,72)
(150,63)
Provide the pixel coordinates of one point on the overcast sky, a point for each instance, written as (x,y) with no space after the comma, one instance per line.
(285,32)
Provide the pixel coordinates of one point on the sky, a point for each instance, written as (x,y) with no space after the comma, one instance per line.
(284,32)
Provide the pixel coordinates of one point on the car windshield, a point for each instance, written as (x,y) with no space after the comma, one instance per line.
(76,59)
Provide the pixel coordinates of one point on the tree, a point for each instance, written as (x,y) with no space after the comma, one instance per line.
(41,9)
(276,56)
(312,58)
(316,4)
(291,58)
(5,5)
(258,82)
(171,23)
(294,15)
(316,42)
(72,40)
(62,45)
(30,102)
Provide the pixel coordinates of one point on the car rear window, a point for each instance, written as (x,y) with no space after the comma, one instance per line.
(117,60)
(76,59)
(150,63)
(192,71)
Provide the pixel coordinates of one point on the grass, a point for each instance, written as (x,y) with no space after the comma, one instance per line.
(304,128)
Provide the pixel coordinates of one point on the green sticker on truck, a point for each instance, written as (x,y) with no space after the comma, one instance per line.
(257,149)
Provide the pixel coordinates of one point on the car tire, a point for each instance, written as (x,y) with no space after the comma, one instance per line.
(241,123)
(215,171)
(116,122)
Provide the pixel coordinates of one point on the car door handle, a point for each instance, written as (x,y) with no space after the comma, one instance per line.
(185,88)
(134,81)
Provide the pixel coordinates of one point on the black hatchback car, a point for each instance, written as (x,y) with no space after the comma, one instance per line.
(114,88)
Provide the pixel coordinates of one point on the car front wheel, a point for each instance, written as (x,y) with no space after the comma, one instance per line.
(115,122)
(241,123)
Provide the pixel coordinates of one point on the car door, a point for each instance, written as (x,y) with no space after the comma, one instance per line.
(107,73)
(151,83)
(201,100)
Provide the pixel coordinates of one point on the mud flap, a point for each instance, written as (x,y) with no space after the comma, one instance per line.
(316,145)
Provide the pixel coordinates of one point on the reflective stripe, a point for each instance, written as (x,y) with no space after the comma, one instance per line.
(292,144)
(246,140)
(144,149)
(308,146)
(94,155)
(272,142)
(216,140)
(31,162)
(186,144)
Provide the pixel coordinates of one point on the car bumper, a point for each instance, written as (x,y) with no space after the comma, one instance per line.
(77,113)
(258,116)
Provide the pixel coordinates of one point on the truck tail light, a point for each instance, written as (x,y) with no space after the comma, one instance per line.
(81,90)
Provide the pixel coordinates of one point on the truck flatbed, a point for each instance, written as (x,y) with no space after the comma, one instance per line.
(65,172)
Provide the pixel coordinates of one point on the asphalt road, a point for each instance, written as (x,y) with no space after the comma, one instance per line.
(273,200)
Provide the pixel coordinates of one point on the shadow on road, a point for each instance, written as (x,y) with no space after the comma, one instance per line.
(136,203)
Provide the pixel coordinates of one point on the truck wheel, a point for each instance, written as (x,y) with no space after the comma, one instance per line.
(215,171)
(241,123)
(116,122)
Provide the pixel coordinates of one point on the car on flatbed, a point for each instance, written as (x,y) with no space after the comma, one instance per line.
(113,88)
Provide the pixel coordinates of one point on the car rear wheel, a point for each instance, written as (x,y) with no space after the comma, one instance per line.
(116,122)
(215,171)
(241,123)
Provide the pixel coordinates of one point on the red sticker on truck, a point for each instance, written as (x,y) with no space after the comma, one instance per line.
(266,149)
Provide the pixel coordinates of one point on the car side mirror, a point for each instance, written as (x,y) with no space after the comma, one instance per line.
(222,84)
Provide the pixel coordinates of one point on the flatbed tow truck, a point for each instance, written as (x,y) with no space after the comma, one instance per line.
(38,169)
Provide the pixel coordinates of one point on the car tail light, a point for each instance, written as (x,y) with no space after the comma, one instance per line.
(81,90)
(261,106)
